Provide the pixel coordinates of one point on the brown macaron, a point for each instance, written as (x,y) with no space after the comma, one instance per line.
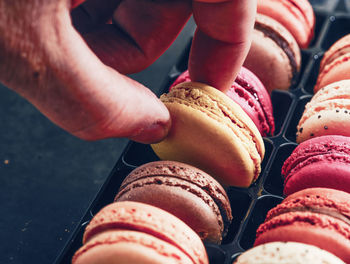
(274,55)
(183,190)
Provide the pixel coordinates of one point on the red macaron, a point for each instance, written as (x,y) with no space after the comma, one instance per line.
(251,95)
(315,216)
(318,162)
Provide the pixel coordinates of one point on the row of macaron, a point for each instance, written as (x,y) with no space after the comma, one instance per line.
(328,110)
(164,210)
(316,178)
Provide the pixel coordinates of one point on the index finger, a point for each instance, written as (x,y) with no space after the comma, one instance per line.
(222,40)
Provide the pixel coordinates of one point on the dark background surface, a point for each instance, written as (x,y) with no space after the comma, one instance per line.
(49,178)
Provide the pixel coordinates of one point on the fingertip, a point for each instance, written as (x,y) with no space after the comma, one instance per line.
(154,133)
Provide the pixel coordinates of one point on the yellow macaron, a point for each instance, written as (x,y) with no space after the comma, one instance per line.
(210,131)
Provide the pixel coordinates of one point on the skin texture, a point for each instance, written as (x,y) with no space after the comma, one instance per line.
(140,219)
(211,132)
(251,95)
(296,15)
(79,83)
(184,191)
(316,216)
(318,162)
(268,57)
(327,113)
(287,253)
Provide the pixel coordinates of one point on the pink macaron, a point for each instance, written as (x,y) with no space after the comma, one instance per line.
(132,232)
(251,95)
(318,162)
(315,216)
(335,64)
(295,15)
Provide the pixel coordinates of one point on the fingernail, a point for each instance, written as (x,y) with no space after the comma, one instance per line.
(154,133)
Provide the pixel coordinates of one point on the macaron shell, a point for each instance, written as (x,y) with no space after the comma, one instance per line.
(338,49)
(324,201)
(315,229)
(212,133)
(335,90)
(296,16)
(323,197)
(187,202)
(337,70)
(327,113)
(148,219)
(124,247)
(330,123)
(287,253)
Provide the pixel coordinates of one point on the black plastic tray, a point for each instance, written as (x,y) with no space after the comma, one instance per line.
(249,206)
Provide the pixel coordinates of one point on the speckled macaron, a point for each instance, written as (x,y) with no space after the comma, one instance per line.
(315,216)
(328,112)
(287,253)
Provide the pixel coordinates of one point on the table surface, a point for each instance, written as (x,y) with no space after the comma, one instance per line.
(49,178)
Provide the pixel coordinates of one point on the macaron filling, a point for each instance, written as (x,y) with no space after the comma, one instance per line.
(282,43)
(338,53)
(322,209)
(308,218)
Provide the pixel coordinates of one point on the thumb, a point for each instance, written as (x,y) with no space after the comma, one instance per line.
(64,79)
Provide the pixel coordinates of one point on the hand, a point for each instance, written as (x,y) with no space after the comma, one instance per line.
(77,80)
